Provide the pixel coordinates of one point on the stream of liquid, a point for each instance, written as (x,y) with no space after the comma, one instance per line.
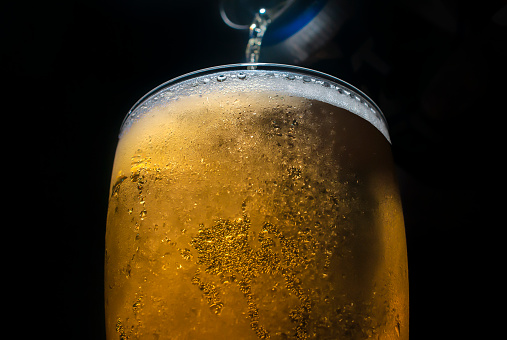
(257,30)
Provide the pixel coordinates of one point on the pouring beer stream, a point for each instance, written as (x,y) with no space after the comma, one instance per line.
(257,30)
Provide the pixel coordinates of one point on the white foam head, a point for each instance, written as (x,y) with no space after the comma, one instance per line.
(287,80)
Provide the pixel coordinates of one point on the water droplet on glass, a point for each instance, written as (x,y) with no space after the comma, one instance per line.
(353,96)
(216,308)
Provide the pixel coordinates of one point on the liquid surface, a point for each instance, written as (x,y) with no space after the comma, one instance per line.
(254,216)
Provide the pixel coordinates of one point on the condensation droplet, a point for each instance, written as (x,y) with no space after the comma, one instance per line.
(397,329)
(216,308)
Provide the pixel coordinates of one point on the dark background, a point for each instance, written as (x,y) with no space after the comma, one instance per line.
(74,68)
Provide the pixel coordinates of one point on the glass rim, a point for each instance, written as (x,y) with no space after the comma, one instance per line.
(355,92)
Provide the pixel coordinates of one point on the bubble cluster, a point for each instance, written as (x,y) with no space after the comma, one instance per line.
(224,250)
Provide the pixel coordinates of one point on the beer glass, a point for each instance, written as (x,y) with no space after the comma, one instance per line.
(255,204)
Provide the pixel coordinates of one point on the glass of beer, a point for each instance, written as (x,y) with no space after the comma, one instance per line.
(255,204)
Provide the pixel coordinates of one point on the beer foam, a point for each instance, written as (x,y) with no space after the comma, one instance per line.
(337,93)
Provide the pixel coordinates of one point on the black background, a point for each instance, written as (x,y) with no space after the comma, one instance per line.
(74,68)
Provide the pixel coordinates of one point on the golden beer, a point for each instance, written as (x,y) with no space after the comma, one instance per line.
(255,204)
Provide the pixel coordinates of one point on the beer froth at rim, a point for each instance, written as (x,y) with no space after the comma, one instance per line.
(283,79)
